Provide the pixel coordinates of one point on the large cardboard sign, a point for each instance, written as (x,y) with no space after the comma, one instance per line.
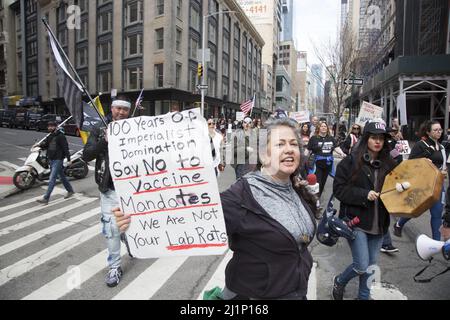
(368,112)
(163,173)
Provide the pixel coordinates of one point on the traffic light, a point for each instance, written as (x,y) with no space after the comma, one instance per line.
(200,70)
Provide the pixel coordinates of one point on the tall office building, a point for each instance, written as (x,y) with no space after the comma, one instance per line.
(287,7)
(266,17)
(132,44)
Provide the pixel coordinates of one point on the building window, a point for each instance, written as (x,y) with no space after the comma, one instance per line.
(213,58)
(104,52)
(212,31)
(134,13)
(226,65)
(133,45)
(104,23)
(82,57)
(226,43)
(159,38)
(82,33)
(134,78)
(159,75)
(62,37)
(159,7)
(178,40)
(195,18)
(193,49)
(212,84)
(225,86)
(83,4)
(179,8)
(178,75)
(104,81)
(192,79)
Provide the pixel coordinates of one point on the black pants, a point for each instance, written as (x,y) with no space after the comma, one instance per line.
(322,172)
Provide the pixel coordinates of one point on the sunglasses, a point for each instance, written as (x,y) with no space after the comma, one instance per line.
(355,128)
(210,123)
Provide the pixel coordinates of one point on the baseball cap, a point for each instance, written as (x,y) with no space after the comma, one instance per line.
(375,128)
(51,124)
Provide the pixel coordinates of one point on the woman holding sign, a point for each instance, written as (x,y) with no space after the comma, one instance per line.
(270,223)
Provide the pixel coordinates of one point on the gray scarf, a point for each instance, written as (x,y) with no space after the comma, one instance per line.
(283,204)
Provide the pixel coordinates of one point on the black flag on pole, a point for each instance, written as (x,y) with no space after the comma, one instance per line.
(67,86)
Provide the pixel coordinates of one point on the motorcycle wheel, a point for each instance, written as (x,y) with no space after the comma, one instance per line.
(23,180)
(82,174)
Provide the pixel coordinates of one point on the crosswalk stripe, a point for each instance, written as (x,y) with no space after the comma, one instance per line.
(22,159)
(27,211)
(42,233)
(35,260)
(46,216)
(151,280)
(18,204)
(9,164)
(59,287)
(218,278)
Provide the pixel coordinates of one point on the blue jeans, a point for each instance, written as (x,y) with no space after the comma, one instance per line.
(56,167)
(387,240)
(436,218)
(365,250)
(108,201)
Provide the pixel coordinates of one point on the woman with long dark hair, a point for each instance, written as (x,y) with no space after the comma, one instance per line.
(430,148)
(357,185)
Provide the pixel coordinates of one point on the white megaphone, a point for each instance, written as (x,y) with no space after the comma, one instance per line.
(427,247)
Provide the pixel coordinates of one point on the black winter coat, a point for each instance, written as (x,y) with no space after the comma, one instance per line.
(57,146)
(97,148)
(353,195)
(267,262)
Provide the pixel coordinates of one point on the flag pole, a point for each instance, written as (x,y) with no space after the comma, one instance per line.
(253,104)
(44,20)
(135,104)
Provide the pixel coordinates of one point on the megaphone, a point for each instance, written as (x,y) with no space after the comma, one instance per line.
(427,247)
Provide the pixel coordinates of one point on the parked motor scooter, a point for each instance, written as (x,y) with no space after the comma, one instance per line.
(37,167)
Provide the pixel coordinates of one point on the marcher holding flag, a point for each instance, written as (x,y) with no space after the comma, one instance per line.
(247,106)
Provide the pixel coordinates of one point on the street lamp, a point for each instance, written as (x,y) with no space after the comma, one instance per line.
(203,87)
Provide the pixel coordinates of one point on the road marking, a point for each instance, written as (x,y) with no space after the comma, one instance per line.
(15,205)
(22,159)
(151,280)
(9,164)
(42,233)
(43,217)
(13,145)
(35,260)
(59,287)
(37,207)
(218,278)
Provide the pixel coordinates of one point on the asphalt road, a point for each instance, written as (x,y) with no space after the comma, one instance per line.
(40,263)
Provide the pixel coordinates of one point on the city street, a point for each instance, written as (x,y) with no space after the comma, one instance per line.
(58,251)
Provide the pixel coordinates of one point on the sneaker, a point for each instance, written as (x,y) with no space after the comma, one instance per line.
(397,230)
(113,277)
(68,195)
(338,290)
(388,249)
(42,201)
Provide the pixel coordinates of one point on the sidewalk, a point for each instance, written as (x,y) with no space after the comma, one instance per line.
(6,181)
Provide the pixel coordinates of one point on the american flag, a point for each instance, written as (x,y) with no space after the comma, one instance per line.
(139,101)
(68,87)
(247,106)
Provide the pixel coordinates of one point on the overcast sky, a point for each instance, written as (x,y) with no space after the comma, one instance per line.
(317,20)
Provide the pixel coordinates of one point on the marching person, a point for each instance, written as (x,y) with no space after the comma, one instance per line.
(243,150)
(351,139)
(305,133)
(216,140)
(322,145)
(97,148)
(430,148)
(314,124)
(357,185)
(57,149)
(270,223)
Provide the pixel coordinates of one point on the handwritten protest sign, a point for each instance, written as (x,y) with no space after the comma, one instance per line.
(402,147)
(163,173)
(240,116)
(301,116)
(368,112)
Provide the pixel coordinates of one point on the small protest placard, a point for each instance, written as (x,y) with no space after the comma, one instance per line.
(368,112)
(301,116)
(163,174)
(402,147)
(240,116)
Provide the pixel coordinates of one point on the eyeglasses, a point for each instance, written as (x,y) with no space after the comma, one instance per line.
(210,123)
(437,130)
(355,128)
